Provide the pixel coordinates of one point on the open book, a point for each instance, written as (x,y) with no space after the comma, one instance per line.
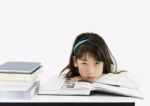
(118,84)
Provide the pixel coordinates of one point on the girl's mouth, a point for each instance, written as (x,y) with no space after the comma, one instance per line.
(91,78)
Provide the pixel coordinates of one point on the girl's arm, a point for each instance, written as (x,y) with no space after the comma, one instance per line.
(76,78)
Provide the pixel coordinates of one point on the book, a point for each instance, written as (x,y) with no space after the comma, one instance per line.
(62,86)
(19,67)
(15,83)
(19,92)
(21,77)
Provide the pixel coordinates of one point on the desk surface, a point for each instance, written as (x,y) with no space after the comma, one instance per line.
(92,98)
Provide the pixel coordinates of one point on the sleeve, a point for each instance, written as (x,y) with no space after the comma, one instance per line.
(118,70)
(132,78)
(123,72)
(64,73)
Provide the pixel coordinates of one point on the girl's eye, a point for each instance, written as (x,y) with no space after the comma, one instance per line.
(97,63)
(83,63)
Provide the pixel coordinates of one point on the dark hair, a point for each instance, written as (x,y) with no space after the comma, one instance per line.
(95,45)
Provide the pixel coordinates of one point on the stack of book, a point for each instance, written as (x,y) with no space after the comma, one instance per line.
(18,80)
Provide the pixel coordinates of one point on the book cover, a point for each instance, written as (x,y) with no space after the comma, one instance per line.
(19,67)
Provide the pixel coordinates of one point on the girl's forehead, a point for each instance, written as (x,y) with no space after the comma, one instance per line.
(87,56)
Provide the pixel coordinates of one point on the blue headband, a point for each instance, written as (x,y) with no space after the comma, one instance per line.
(79,43)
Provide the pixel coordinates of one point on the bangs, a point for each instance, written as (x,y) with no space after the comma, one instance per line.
(93,50)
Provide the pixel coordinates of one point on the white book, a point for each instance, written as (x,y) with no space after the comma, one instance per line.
(19,92)
(8,83)
(19,67)
(61,86)
(21,77)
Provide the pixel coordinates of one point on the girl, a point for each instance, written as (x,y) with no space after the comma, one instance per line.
(90,58)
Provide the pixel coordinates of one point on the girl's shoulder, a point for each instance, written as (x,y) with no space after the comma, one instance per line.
(124,73)
(120,71)
(117,70)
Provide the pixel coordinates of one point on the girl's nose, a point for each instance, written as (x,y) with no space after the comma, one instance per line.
(91,70)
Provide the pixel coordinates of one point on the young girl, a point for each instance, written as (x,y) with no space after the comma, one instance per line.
(90,58)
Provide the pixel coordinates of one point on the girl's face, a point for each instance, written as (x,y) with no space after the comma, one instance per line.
(89,68)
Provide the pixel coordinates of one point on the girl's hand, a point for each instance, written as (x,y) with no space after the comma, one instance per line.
(76,78)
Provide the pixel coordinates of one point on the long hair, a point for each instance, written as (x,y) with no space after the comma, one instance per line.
(94,45)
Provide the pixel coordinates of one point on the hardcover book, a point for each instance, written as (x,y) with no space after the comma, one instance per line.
(19,92)
(19,67)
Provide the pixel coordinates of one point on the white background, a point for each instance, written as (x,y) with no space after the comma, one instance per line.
(44,31)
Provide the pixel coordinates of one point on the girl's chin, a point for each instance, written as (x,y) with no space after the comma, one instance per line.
(91,78)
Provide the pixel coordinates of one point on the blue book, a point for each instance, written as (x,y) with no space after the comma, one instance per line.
(19,67)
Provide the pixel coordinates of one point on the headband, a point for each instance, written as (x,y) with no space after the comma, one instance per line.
(79,43)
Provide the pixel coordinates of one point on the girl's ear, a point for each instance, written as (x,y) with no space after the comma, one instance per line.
(75,61)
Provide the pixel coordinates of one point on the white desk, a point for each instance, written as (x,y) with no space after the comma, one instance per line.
(92,98)
(100,99)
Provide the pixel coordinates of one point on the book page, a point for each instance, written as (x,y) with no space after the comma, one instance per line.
(53,83)
(117,90)
(63,86)
(122,79)
(58,83)
(84,85)
(68,83)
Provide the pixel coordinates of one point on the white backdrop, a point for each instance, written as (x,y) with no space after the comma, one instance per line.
(44,31)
